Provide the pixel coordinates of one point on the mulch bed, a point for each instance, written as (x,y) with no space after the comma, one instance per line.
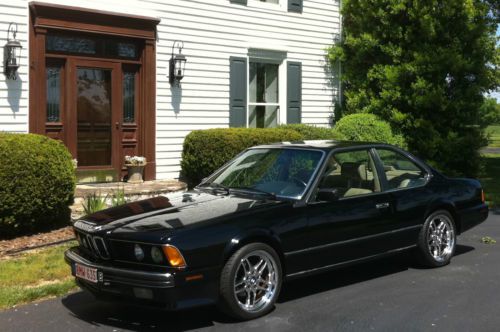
(24,243)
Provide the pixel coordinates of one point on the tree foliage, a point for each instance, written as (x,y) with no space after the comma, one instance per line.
(424,66)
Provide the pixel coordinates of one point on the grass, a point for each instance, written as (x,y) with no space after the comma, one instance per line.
(494,136)
(490,178)
(34,276)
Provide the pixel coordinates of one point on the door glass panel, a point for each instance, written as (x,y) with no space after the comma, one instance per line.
(93,116)
(128,97)
(53,93)
(400,171)
(352,173)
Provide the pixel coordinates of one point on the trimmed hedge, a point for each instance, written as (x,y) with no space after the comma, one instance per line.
(206,150)
(309,132)
(367,128)
(37,182)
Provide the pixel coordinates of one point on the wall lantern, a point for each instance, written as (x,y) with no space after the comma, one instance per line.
(12,52)
(177,64)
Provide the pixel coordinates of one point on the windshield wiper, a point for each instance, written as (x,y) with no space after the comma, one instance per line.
(256,190)
(214,187)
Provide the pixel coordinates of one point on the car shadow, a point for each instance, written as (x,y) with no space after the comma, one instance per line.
(84,306)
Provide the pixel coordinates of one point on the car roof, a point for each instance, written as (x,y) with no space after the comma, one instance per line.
(320,144)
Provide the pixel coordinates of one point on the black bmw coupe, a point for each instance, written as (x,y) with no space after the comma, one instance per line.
(273,213)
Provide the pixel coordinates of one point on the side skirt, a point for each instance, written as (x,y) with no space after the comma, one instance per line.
(345,264)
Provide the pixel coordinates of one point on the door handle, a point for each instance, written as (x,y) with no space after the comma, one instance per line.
(382,205)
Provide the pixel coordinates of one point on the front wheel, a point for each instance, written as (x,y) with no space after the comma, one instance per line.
(250,282)
(437,239)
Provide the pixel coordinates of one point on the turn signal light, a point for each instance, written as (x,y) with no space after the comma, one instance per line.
(174,256)
(483,198)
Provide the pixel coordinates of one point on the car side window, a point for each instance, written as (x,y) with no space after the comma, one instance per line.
(400,171)
(351,173)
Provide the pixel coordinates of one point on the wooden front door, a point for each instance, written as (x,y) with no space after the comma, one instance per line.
(94,114)
(92,86)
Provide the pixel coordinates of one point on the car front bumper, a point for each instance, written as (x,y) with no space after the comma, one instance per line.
(169,290)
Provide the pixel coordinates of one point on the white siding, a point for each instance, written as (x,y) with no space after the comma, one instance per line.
(212,31)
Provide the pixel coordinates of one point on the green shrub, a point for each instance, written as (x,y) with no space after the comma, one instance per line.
(310,132)
(368,128)
(206,150)
(94,202)
(37,182)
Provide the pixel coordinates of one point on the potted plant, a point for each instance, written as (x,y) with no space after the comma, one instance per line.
(135,167)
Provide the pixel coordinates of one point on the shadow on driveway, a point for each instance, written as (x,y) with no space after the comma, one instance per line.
(130,317)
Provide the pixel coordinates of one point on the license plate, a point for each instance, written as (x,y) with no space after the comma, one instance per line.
(85,272)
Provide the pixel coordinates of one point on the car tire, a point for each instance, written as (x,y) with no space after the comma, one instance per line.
(250,282)
(437,240)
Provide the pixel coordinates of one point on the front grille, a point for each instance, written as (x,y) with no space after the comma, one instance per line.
(95,245)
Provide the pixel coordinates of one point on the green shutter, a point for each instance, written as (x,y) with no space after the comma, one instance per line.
(238,92)
(294,92)
(241,2)
(295,6)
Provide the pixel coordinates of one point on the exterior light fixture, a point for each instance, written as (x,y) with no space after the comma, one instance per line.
(177,64)
(12,52)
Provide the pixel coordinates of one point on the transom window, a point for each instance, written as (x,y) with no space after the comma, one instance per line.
(263,89)
(98,46)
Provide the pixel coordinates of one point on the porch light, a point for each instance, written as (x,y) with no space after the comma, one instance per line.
(177,64)
(12,52)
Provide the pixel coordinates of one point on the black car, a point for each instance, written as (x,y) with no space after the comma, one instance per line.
(274,213)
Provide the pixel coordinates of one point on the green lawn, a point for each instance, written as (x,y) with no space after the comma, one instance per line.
(490,178)
(494,136)
(35,275)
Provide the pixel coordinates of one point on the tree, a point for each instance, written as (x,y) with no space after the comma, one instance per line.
(489,113)
(423,66)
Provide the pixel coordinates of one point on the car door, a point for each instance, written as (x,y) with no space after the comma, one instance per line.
(405,179)
(355,225)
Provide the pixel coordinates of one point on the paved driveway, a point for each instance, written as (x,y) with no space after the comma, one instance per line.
(387,295)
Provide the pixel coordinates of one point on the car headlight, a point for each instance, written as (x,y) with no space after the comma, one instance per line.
(139,253)
(157,255)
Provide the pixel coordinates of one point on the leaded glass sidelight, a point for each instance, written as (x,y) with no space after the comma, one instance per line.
(129,97)
(53,94)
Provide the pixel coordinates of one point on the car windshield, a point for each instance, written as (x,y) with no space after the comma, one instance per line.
(281,172)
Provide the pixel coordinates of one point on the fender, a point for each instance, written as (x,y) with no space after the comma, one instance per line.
(446,204)
(267,236)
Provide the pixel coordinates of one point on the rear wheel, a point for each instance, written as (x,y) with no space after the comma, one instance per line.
(250,282)
(437,239)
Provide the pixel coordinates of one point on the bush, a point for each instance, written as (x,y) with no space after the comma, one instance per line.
(37,182)
(205,151)
(368,128)
(309,132)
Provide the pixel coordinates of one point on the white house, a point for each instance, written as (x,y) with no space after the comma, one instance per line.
(96,74)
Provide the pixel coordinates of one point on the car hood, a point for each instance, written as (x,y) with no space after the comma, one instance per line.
(164,213)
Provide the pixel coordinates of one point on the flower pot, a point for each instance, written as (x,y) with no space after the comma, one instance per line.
(135,173)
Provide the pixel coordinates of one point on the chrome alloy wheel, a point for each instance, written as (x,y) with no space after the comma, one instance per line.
(441,238)
(255,281)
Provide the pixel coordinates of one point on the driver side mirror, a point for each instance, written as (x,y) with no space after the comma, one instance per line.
(328,194)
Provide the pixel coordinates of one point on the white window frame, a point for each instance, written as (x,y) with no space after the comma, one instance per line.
(271,57)
(282,5)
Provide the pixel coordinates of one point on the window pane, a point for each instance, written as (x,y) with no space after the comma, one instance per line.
(270,1)
(263,116)
(53,93)
(352,173)
(128,97)
(263,83)
(69,44)
(400,171)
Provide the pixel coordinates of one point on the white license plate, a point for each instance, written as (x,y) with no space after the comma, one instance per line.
(85,272)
